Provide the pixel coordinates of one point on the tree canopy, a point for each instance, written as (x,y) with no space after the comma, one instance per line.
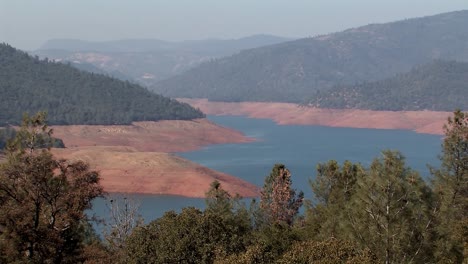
(43,200)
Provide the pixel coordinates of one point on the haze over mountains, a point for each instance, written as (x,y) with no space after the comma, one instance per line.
(293,71)
(147,60)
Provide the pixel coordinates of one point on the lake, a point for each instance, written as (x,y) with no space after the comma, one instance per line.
(299,147)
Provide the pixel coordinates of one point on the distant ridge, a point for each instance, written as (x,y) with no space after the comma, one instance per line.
(293,71)
(148,45)
(438,86)
(147,60)
(71,96)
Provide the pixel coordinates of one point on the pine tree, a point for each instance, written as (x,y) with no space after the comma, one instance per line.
(333,188)
(451,188)
(390,211)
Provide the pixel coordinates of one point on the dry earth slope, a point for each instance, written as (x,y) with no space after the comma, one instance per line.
(137,159)
(429,122)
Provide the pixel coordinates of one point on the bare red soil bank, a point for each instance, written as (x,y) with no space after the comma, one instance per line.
(429,122)
(136,159)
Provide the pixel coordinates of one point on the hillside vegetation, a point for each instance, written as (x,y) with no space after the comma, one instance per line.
(71,96)
(439,86)
(295,70)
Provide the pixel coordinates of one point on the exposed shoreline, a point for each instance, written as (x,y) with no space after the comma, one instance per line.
(137,159)
(426,122)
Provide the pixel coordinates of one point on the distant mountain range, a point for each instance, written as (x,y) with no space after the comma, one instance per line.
(440,85)
(71,96)
(294,71)
(147,60)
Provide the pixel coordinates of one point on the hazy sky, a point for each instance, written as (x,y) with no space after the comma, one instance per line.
(26,24)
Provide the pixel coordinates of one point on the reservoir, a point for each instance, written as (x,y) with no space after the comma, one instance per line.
(300,148)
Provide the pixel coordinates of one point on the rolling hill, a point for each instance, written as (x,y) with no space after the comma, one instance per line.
(147,60)
(71,96)
(438,86)
(293,71)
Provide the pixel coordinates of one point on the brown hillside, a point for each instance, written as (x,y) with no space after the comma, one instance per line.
(134,158)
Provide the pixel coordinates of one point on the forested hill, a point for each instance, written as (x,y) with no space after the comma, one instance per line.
(439,86)
(294,70)
(71,96)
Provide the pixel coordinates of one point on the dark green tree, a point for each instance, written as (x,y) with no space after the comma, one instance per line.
(451,188)
(333,188)
(390,212)
(71,96)
(194,236)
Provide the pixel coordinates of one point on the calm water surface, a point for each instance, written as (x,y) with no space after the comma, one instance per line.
(300,148)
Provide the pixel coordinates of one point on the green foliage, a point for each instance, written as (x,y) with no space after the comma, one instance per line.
(333,188)
(293,71)
(193,236)
(390,211)
(218,201)
(451,188)
(33,134)
(439,86)
(189,237)
(385,208)
(327,252)
(268,245)
(71,96)
(42,200)
(6,134)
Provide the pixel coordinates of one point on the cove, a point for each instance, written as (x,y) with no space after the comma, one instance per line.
(300,148)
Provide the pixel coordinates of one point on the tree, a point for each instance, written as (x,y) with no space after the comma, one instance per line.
(42,200)
(329,251)
(278,200)
(218,200)
(333,188)
(193,236)
(390,211)
(123,219)
(274,217)
(227,221)
(451,188)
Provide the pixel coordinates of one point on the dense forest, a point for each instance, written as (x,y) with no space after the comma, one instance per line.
(71,96)
(381,213)
(439,86)
(295,70)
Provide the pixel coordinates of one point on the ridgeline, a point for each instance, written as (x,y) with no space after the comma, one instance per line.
(71,96)
(293,71)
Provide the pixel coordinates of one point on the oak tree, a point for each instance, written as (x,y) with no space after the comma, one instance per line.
(43,200)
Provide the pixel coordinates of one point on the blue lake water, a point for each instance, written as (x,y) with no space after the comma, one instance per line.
(300,148)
